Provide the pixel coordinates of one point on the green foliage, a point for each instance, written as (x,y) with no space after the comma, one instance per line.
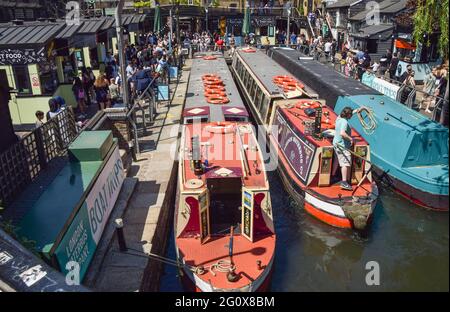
(432,16)
(11,230)
(215,3)
(143,4)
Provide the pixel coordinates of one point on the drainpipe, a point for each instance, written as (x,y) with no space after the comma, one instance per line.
(120,45)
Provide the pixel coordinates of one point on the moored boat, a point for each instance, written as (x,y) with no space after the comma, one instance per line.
(409,151)
(223,227)
(300,133)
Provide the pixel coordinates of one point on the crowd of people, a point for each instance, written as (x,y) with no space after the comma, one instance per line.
(146,60)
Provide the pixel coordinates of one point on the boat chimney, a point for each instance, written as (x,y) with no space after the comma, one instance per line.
(318,122)
(196,156)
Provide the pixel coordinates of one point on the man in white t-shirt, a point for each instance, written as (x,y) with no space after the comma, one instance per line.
(327,49)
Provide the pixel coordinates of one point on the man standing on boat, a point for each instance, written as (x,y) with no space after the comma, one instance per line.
(342,143)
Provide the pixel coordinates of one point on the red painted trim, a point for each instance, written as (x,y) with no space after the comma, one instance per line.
(328,218)
(418,202)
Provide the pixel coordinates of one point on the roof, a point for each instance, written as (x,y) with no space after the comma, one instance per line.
(196,103)
(28,34)
(265,69)
(397,6)
(91,26)
(68,31)
(343,4)
(372,30)
(312,72)
(386,6)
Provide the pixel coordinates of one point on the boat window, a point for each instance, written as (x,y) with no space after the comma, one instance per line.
(191,120)
(253,90)
(249,83)
(267,109)
(258,98)
(232,118)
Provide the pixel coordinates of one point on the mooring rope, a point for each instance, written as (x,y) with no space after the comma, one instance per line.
(370,126)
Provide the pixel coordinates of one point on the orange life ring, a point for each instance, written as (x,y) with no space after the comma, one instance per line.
(217,99)
(209,58)
(214,92)
(281,79)
(215,88)
(220,127)
(210,76)
(216,82)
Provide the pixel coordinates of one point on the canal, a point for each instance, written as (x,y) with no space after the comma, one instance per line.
(410,244)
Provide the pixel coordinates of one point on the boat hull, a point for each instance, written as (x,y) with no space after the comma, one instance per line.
(420,198)
(330,213)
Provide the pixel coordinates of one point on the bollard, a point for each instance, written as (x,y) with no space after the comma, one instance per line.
(120,235)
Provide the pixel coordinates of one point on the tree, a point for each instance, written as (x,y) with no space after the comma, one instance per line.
(432,16)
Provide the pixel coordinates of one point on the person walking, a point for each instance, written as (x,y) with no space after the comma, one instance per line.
(80,94)
(429,88)
(393,66)
(102,94)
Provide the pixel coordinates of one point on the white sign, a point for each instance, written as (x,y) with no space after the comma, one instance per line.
(387,88)
(104,193)
(5,257)
(33,275)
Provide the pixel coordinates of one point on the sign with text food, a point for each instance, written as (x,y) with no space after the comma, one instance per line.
(83,235)
(297,150)
(22,56)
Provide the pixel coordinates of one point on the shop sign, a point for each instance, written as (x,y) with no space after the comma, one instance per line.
(83,235)
(22,56)
(263,21)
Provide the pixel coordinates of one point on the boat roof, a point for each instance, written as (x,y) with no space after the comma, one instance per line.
(225,155)
(312,72)
(389,110)
(265,69)
(196,104)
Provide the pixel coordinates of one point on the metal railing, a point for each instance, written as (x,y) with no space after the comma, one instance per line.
(23,161)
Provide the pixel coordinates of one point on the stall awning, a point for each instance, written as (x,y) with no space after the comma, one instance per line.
(28,35)
(373,30)
(403,44)
(91,26)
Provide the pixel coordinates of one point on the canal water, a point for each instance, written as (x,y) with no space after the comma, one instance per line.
(410,244)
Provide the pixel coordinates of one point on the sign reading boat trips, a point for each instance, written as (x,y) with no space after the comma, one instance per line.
(298,151)
(83,235)
(22,56)
(387,88)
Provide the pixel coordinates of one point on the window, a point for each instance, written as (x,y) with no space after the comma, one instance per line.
(372,45)
(232,118)
(265,108)
(196,119)
(22,79)
(258,97)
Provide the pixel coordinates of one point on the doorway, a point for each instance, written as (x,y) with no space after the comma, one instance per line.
(225,204)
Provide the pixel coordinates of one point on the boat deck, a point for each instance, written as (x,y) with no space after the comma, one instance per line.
(297,115)
(224,153)
(196,103)
(245,255)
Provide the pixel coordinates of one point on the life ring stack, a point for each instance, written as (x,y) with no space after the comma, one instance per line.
(215,92)
(288,83)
